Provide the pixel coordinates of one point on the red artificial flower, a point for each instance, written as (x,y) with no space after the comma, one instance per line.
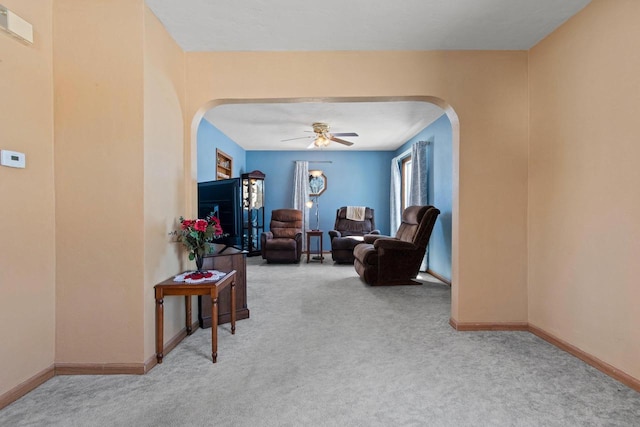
(197,235)
(200,225)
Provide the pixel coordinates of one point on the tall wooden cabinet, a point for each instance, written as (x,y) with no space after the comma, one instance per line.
(229,259)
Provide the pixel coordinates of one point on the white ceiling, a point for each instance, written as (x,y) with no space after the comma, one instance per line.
(285,25)
(349,25)
(379,125)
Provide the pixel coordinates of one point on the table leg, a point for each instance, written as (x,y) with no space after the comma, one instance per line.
(320,254)
(308,247)
(233,307)
(159,329)
(214,328)
(187,305)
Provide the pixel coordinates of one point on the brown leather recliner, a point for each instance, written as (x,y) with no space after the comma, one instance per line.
(283,243)
(384,260)
(348,233)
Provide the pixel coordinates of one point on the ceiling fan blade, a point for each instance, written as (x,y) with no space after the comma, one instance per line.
(341,141)
(312,145)
(345,134)
(293,139)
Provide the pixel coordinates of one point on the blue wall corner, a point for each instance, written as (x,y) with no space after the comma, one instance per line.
(209,138)
(439,133)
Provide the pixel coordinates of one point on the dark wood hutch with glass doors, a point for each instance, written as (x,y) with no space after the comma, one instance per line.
(252,211)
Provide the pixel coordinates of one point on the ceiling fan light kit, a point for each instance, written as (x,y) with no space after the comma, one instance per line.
(323,137)
(322,140)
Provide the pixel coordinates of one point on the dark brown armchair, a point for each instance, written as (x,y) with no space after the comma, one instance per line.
(283,243)
(348,233)
(384,260)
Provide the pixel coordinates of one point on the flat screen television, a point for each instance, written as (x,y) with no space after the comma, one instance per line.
(223,198)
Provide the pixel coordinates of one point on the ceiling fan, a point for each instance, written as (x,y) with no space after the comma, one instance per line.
(323,137)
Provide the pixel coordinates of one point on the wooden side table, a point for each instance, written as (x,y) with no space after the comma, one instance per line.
(169,287)
(310,234)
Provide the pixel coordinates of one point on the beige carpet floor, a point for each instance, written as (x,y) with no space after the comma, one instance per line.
(323,349)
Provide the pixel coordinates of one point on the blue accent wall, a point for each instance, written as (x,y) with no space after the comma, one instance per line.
(354,178)
(440,190)
(209,138)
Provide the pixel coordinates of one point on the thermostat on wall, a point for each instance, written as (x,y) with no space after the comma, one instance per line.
(12,159)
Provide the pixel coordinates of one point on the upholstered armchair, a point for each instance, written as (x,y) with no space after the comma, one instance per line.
(283,243)
(384,260)
(347,233)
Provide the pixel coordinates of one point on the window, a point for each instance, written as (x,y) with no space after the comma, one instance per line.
(405,173)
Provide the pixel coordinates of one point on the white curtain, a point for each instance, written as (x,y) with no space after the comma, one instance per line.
(301,192)
(418,195)
(419,192)
(395,197)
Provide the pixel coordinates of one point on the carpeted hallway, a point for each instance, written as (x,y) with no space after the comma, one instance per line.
(323,349)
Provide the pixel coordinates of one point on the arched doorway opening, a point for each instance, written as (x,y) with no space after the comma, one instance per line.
(191,164)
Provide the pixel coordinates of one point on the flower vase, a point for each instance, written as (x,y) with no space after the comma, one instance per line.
(199,262)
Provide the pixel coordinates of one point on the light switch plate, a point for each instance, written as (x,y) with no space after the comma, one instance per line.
(13,159)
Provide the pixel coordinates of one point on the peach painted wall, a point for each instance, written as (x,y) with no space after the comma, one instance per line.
(584,209)
(164,183)
(487,90)
(27,206)
(123,172)
(99,175)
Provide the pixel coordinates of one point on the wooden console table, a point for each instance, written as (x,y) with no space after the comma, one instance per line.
(212,289)
(229,259)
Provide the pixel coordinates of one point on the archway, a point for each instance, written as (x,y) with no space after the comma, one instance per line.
(191,164)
